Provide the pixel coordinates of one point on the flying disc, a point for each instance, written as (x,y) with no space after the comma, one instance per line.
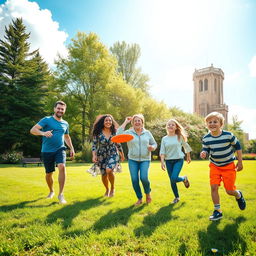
(121,138)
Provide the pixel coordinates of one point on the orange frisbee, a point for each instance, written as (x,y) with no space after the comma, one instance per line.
(121,138)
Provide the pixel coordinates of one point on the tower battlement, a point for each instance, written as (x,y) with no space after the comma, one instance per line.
(208,91)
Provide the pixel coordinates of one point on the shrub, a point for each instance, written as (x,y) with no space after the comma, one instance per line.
(86,154)
(11,157)
(250,156)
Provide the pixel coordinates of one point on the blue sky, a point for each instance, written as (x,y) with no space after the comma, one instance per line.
(176,37)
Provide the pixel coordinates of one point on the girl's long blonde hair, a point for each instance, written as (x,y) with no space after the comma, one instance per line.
(180,131)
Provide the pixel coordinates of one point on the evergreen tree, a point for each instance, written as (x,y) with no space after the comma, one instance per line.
(23,85)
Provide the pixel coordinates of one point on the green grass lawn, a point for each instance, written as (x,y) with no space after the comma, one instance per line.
(93,225)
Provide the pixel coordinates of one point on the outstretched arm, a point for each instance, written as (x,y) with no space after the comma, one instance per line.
(126,121)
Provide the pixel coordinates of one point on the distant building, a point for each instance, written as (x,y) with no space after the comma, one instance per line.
(208,91)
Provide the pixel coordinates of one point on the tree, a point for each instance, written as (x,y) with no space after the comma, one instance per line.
(193,125)
(127,57)
(84,76)
(235,128)
(252,146)
(23,78)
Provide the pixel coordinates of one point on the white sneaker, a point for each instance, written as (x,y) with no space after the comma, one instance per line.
(175,200)
(51,195)
(62,199)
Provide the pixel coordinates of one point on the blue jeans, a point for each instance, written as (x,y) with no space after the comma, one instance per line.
(139,171)
(174,167)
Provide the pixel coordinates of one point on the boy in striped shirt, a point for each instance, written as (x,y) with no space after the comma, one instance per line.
(221,146)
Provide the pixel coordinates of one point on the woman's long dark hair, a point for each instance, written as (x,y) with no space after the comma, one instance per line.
(99,125)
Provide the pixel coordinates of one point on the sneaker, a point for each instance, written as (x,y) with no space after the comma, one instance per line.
(175,200)
(186,182)
(216,215)
(51,195)
(241,201)
(62,199)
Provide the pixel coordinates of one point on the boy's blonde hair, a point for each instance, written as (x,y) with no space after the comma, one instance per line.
(180,131)
(217,115)
(140,116)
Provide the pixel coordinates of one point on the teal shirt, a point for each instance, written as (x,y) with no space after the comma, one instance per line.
(138,146)
(171,147)
(59,128)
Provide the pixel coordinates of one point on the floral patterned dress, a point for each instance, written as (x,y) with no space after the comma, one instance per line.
(107,153)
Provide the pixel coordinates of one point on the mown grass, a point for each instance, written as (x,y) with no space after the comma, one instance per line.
(93,225)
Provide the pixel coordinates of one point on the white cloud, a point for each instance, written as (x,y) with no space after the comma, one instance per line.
(252,66)
(45,33)
(247,115)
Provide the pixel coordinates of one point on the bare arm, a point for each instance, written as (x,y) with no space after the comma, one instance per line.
(126,121)
(239,165)
(70,145)
(162,162)
(188,157)
(36,130)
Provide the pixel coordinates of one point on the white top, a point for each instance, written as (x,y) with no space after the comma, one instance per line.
(171,147)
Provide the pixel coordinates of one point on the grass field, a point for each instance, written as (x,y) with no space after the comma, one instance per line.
(93,225)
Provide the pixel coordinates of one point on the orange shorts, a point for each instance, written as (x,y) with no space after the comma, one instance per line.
(226,173)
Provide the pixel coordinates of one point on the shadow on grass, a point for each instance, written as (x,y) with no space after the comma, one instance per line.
(20,205)
(113,219)
(69,212)
(151,222)
(227,241)
(109,220)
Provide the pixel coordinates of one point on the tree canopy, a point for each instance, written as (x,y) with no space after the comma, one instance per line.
(127,57)
(23,85)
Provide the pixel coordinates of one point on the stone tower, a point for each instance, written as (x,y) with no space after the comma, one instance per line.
(208,92)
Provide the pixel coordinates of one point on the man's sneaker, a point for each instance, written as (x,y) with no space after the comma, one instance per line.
(175,200)
(216,215)
(241,201)
(186,182)
(51,195)
(62,199)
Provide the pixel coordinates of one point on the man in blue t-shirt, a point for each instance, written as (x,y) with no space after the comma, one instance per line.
(55,132)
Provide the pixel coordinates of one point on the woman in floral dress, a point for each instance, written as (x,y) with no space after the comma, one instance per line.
(106,153)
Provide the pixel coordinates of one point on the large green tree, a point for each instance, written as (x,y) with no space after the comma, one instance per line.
(127,57)
(83,76)
(23,79)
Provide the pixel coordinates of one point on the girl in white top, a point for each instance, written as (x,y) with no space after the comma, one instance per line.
(172,157)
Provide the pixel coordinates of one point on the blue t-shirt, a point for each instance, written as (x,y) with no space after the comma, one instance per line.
(59,128)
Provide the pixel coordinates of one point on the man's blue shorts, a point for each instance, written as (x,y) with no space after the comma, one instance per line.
(50,159)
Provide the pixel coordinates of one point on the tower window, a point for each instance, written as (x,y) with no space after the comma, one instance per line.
(200,86)
(215,85)
(205,84)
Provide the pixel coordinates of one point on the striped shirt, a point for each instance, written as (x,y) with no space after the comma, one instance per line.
(221,149)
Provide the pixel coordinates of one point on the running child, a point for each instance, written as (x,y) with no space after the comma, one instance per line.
(220,146)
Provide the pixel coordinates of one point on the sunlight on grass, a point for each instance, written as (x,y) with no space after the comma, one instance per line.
(93,225)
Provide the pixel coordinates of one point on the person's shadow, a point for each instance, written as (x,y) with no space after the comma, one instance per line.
(109,220)
(69,212)
(226,241)
(21,205)
(151,222)
(113,219)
